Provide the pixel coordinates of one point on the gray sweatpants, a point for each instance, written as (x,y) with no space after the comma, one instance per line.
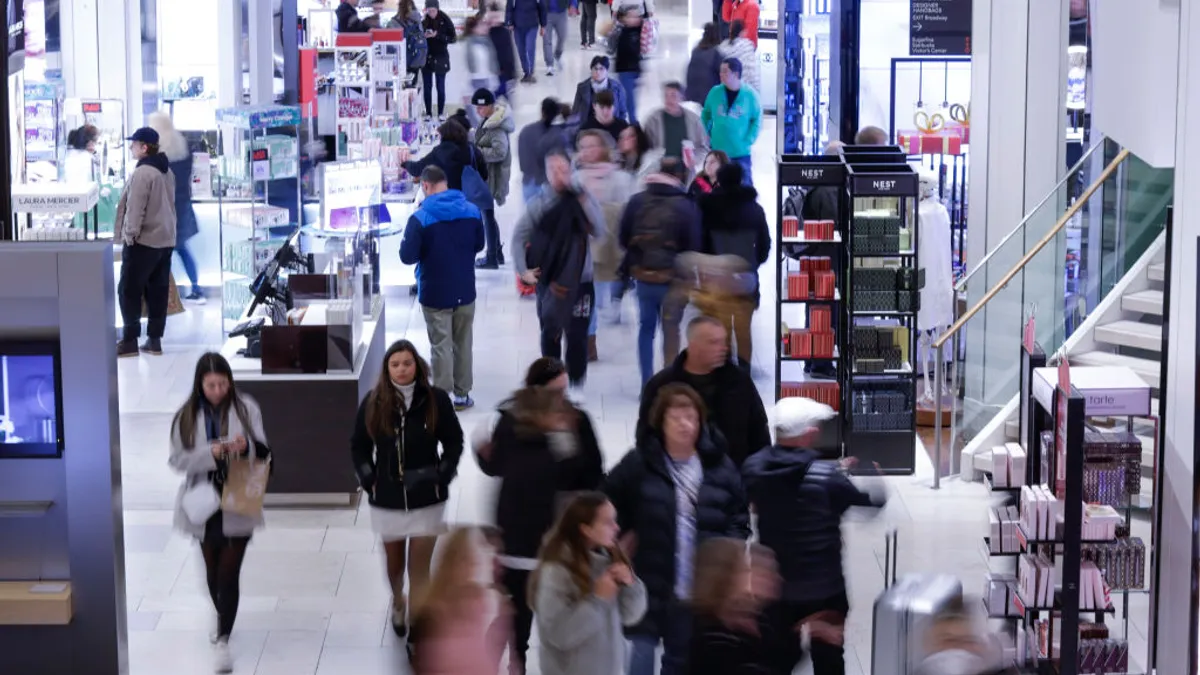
(451,334)
(556,24)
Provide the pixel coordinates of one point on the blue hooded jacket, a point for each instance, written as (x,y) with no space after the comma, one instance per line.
(441,239)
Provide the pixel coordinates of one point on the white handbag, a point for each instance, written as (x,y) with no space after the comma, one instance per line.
(200,502)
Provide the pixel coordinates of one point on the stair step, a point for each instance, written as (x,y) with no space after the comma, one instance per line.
(1146,302)
(1131,334)
(1157,272)
(1147,369)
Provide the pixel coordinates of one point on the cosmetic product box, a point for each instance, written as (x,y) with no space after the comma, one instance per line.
(1000,466)
(824,283)
(1016,464)
(798,285)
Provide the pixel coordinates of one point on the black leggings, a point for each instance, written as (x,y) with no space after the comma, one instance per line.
(223,558)
(427,77)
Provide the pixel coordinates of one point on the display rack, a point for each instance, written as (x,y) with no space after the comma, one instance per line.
(44,131)
(882,295)
(804,76)
(374,110)
(258,145)
(810,264)
(1057,408)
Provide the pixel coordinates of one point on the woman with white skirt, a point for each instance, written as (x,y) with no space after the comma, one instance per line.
(400,425)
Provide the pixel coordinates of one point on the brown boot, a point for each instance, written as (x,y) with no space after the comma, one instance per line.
(592,355)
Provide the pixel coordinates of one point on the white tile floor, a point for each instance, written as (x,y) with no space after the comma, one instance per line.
(314,597)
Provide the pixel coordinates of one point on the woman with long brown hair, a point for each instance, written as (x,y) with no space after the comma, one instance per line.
(584,592)
(400,425)
(213,427)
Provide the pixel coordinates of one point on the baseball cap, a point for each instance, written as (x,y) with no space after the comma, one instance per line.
(794,416)
(145,135)
(483,97)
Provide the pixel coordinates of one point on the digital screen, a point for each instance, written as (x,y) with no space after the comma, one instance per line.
(259,155)
(29,407)
(94,107)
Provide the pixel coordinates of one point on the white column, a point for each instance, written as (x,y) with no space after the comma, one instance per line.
(101,45)
(1018,107)
(229,53)
(262,41)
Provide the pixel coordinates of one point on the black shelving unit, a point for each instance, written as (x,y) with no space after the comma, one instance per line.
(805,173)
(881,291)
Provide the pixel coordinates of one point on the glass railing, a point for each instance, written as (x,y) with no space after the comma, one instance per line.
(1062,260)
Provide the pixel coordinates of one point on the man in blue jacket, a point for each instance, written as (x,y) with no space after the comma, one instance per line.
(441,239)
(526,18)
(800,496)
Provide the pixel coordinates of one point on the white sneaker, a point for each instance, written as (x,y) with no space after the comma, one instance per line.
(576,396)
(550,71)
(222,659)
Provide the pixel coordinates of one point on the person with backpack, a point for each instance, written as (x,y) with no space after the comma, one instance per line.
(456,157)
(416,47)
(492,140)
(735,224)
(558,226)
(660,223)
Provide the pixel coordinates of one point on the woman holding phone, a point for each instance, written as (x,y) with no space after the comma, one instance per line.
(215,426)
(395,443)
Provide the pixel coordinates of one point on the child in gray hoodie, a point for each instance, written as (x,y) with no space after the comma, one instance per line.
(584,591)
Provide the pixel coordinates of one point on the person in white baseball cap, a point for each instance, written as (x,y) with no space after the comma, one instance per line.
(800,495)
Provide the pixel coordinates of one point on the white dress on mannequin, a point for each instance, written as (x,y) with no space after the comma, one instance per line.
(937,296)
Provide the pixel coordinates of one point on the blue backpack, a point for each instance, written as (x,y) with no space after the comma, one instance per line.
(475,187)
(416,48)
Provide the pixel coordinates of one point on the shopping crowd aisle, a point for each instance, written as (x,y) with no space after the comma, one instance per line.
(314,594)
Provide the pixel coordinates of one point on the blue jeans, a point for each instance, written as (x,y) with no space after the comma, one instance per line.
(656,302)
(747,169)
(630,81)
(189,264)
(530,190)
(606,292)
(676,629)
(526,47)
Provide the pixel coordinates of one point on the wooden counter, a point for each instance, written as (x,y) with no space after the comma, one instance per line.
(35,603)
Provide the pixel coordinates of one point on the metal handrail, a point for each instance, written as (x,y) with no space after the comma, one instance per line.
(962,283)
(952,332)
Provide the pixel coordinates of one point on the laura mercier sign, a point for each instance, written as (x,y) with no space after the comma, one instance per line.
(54,198)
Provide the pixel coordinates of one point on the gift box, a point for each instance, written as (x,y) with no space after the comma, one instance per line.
(822,345)
(801,343)
(815,263)
(820,318)
(791,226)
(798,285)
(942,142)
(818,230)
(962,130)
(824,284)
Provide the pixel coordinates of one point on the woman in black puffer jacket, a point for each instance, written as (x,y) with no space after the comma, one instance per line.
(399,427)
(543,449)
(676,489)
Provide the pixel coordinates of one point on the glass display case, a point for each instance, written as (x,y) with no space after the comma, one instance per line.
(258,193)
(804,76)
(111,157)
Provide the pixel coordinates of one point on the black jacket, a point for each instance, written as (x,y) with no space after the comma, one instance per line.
(439,50)
(532,479)
(627,50)
(641,489)
(734,406)
(735,224)
(348,21)
(717,649)
(427,475)
(800,500)
(660,205)
(703,73)
(451,158)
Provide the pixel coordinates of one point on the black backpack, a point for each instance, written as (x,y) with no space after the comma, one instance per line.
(653,244)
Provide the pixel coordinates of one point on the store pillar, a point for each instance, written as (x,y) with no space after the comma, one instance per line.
(1018,146)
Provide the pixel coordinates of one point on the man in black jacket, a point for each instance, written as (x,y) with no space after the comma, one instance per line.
(347,18)
(800,498)
(734,406)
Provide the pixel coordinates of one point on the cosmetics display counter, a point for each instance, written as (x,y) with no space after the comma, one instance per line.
(57,211)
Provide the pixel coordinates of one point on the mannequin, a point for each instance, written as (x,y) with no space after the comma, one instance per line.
(936,311)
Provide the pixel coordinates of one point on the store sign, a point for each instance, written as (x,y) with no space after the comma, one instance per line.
(900,185)
(260,164)
(92,107)
(57,199)
(939,28)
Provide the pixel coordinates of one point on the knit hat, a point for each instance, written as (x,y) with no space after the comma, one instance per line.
(483,96)
(432,4)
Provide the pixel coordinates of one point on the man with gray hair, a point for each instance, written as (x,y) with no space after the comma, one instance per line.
(800,496)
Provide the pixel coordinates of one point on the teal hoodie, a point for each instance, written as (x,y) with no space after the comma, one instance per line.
(732,130)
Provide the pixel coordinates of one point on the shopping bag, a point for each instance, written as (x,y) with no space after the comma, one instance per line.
(246,485)
(174,302)
(649,36)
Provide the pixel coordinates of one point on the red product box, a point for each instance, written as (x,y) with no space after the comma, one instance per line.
(820,319)
(791,226)
(801,344)
(818,230)
(824,284)
(822,345)
(944,142)
(798,285)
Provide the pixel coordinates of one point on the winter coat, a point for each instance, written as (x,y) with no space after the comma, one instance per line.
(745,10)
(700,187)
(540,207)
(348,21)
(643,492)
(493,139)
(441,239)
(186,225)
(403,469)
(735,224)
(506,52)
(535,141)
(744,50)
(659,207)
(734,406)
(525,13)
(439,50)
(199,466)
(146,210)
(653,125)
(612,188)
(534,479)
(625,45)
(583,636)
(451,158)
(582,107)
(800,500)
(718,649)
(703,73)
(732,130)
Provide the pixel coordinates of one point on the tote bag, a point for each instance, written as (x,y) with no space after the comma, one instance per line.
(475,187)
